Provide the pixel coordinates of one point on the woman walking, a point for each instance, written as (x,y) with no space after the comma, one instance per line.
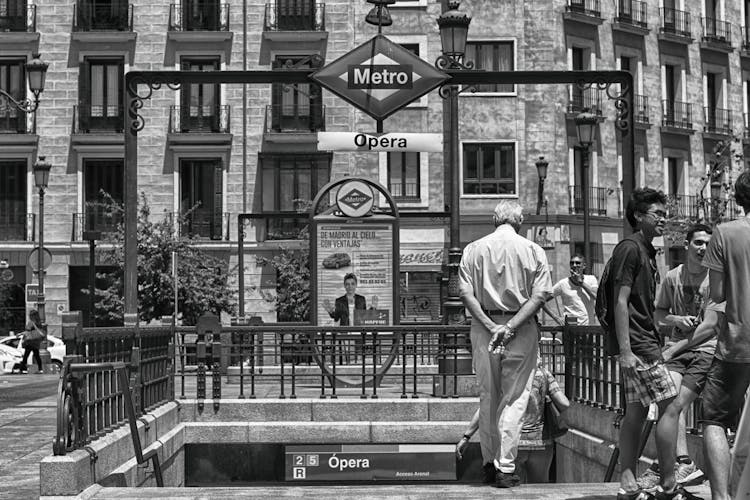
(32,341)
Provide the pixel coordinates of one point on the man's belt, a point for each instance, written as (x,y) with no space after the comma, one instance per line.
(498,312)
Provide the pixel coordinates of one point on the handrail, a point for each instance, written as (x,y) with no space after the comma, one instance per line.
(68,401)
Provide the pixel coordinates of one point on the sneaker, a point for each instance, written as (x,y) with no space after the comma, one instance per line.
(488,473)
(688,474)
(506,479)
(638,494)
(679,493)
(649,479)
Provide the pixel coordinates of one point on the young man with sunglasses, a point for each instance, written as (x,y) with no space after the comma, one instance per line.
(578,292)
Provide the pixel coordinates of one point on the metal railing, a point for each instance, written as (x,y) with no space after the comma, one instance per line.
(19,21)
(17,227)
(96,119)
(642,110)
(586,7)
(12,120)
(675,22)
(597,200)
(683,205)
(677,114)
(199,16)
(296,118)
(585,99)
(199,119)
(295,15)
(97,219)
(717,120)
(405,190)
(203,224)
(91,16)
(716,30)
(632,12)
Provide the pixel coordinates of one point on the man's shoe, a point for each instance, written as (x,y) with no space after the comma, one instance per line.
(679,493)
(688,474)
(506,479)
(649,479)
(488,473)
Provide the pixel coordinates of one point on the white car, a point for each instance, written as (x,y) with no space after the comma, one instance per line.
(11,352)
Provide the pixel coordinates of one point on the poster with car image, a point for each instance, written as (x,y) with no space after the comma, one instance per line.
(355,269)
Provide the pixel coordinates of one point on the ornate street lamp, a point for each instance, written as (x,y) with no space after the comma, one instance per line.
(454,29)
(379,15)
(586,123)
(541,169)
(36,72)
(41,180)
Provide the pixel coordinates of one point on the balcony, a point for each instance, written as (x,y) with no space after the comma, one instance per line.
(199,119)
(95,119)
(17,227)
(199,16)
(92,16)
(717,35)
(631,16)
(717,121)
(204,224)
(18,21)
(295,118)
(13,121)
(597,200)
(96,218)
(682,205)
(642,113)
(677,116)
(405,191)
(295,15)
(581,99)
(584,11)
(675,26)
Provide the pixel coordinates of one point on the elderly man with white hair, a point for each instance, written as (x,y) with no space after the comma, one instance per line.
(504,280)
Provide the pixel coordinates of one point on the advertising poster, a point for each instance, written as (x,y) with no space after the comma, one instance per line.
(366,252)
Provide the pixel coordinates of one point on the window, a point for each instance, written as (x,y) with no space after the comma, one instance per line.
(102,179)
(78,280)
(296,107)
(199,109)
(296,15)
(13,15)
(200,15)
(109,15)
(201,195)
(403,175)
(99,94)
(492,56)
(12,80)
(674,175)
(13,200)
(489,168)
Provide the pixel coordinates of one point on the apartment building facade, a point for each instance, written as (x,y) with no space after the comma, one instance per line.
(229,150)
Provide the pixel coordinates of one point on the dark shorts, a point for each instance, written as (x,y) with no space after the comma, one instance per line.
(724,393)
(693,366)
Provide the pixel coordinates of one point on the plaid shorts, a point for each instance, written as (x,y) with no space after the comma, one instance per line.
(651,384)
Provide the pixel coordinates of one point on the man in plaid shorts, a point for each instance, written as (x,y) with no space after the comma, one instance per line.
(646,380)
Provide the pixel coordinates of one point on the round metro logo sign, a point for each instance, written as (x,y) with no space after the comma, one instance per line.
(355,199)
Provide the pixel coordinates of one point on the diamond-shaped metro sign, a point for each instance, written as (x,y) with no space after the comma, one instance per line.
(379,77)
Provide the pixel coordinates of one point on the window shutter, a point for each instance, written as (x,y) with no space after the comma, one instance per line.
(84,95)
(276,99)
(216,234)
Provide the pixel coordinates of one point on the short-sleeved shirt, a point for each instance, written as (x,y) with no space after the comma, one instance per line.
(503,270)
(544,384)
(634,265)
(729,253)
(685,295)
(577,302)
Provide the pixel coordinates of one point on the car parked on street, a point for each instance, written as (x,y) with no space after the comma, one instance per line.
(11,352)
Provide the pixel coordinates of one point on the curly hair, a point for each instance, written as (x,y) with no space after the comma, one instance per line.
(742,190)
(640,200)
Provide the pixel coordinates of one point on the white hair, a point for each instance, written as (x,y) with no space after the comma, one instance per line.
(508,212)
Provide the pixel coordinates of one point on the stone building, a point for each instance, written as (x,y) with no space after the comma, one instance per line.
(253,150)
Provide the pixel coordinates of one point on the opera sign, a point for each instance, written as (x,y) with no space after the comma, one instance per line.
(379,77)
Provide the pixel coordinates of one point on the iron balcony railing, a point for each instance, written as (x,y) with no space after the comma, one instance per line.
(96,219)
(632,12)
(745,39)
(597,200)
(295,15)
(204,224)
(586,7)
(683,205)
(199,16)
(716,30)
(18,19)
(641,109)
(585,99)
(717,120)
(14,121)
(675,22)
(102,16)
(295,118)
(95,119)
(17,227)
(405,190)
(199,119)
(677,114)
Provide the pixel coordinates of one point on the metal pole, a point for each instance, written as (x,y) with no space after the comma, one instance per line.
(586,214)
(540,197)
(130,278)
(40,305)
(92,279)
(453,307)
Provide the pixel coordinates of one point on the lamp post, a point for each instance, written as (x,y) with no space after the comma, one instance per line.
(41,179)
(36,72)
(586,123)
(716,186)
(541,169)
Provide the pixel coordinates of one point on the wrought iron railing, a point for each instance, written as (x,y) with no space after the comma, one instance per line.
(102,16)
(586,7)
(199,16)
(199,119)
(677,114)
(14,121)
(96,219)
(15,20)
(405,190)
(717,120)
(17,227)
(203,224)
(97,119)
(632,12)
(716,30)
(585,99)
(296,118)
(683,205)
(295,15)
(597,200)
(642,111)
(675,22)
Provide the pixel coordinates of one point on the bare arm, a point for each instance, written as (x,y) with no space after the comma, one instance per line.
(716,286)
(628,360)
(560,400)
(707,329)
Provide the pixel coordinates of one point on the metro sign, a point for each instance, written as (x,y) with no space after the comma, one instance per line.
(379,77)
